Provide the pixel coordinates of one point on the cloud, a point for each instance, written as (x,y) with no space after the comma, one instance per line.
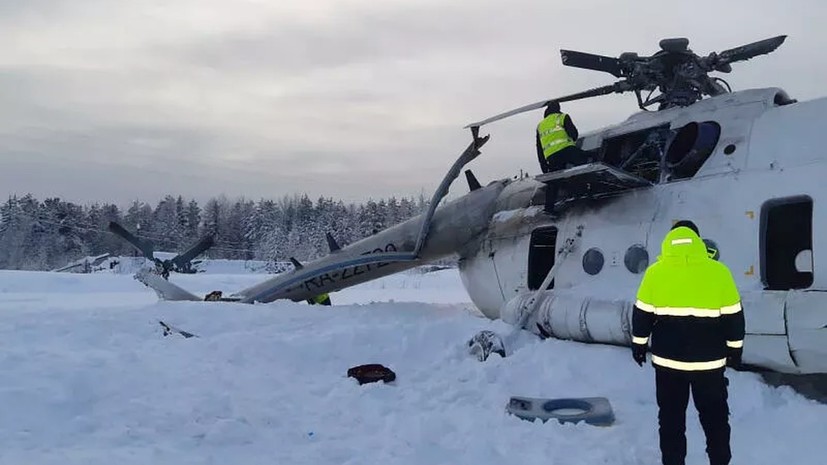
(344,98)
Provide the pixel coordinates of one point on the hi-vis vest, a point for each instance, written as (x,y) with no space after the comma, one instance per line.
(320,299)
(690,306)
(553,136)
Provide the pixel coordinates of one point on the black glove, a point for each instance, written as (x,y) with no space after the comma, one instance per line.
(733,358)
(639,353)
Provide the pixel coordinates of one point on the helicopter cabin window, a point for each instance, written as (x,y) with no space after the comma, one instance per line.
(541,254)
(787,243)
(636,259)
(593,261)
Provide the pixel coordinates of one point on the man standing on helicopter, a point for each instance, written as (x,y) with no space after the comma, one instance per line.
(555,138)
(689,304)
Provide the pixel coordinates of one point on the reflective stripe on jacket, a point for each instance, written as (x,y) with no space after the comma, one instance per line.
(690,306)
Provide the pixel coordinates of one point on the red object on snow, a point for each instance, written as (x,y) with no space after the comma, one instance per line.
(371,373)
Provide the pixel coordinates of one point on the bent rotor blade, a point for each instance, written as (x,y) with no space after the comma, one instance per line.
(591,61)
(745,52)
(144,247)
(507,114)
(193,252)
(619,86)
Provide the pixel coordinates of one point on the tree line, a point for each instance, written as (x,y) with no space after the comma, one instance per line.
(37,235)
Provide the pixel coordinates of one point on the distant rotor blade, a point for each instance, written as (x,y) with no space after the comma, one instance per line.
(144,247)
(193,252)
(591,61)
(620,86)
(745,52)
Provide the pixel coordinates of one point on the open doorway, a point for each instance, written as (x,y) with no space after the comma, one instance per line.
(541,254)
(787,243)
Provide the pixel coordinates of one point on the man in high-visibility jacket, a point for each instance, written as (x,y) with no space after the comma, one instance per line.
(321,299)
(689,304)
(555,139)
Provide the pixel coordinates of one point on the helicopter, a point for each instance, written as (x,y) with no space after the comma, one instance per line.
(180,263)
(745,166)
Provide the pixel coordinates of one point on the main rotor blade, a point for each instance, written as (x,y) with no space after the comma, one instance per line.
(193,252)
(619,86)
(591,61)
(144,247)
(513,112)
(745,52)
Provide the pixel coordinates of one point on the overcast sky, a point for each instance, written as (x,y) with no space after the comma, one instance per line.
(105,100)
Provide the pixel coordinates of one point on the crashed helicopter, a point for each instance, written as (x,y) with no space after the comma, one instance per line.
(180,263)
(746,166)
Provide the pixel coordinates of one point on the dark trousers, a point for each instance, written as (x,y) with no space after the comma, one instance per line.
(709,393)
(569,156)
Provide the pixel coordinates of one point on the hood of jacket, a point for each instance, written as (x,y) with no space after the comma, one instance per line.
(682,245)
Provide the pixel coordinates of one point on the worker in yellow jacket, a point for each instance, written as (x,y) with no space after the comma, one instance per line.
(689,306)
(321,299)
(556,138)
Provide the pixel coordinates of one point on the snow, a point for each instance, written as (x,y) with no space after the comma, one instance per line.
(507,215)
(130,265)
(88,378)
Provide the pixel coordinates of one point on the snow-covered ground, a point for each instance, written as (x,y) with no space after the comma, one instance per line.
(86,377)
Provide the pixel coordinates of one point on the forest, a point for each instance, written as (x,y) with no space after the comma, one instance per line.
(43,235)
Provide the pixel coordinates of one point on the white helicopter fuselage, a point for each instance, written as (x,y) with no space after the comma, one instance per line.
(760,197)
(746,167)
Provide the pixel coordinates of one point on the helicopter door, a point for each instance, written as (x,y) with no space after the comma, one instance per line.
(787,243)
(541,254)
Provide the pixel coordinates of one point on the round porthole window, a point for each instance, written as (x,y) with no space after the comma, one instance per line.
(593,261)
(712,249)
(636,259)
